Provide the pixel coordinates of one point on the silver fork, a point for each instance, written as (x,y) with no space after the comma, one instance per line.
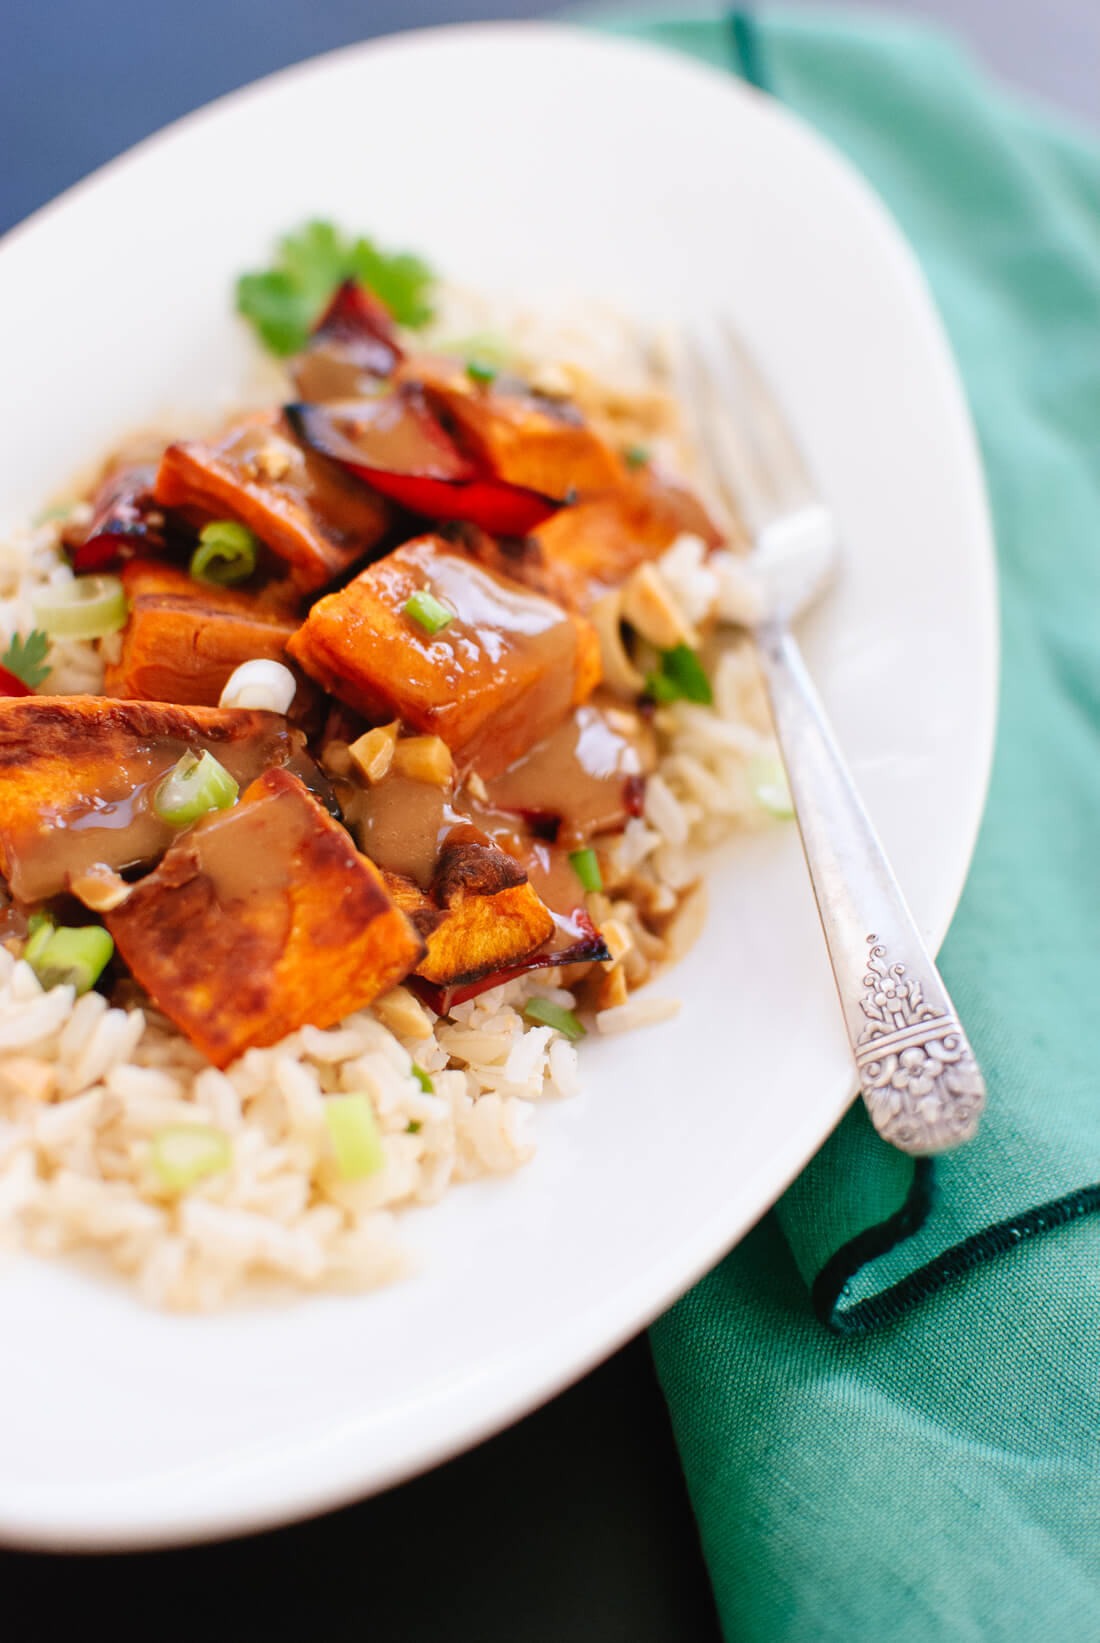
(917,1074)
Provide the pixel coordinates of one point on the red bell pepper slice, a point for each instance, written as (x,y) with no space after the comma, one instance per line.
(12,685)
(360,322)
(499,508)
(126,521)
(357,337)
(398,446)
(392,433)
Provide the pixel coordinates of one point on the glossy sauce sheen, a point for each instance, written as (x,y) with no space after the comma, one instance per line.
(490,619)
(578,774)
(111,820)
(501,642)
(261,854)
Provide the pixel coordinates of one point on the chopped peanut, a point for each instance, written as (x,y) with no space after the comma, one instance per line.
(336,759)
(476,787)
(599,907)
(622,720)
(403,1014)
(100,888)
(613,990)
(372,754)
(618,939)
(652,611)
(273,460)
(424,759)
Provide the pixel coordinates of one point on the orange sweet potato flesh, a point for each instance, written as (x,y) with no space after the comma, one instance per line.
(499,677)
(480,916)
(261,919)
(305,509)
(78,775)
(584,551)
(519,436)
(183,638)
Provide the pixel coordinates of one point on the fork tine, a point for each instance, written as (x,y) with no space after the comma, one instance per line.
(747,434)
(733,474)
(770,421)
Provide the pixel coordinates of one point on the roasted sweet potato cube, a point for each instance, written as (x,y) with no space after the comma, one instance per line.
(78,775)
(518,435)
(183,638)
(260,919)
(505,670)
(303,507)
(588,549)
(480,916)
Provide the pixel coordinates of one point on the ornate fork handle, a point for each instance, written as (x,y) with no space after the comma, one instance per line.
(919,1079)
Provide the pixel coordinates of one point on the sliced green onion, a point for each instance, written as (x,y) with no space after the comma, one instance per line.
(182,1154)
(40,927)
(88,607)
(413,1127)
(227,553)
(635,456)
(484,346)
(77,957)
(423,1080)
(680,677)
(587,868)
(553,1015)
(353,1131)
(57,510)
(481,372)
(191,788)
(426,611)
(768,784)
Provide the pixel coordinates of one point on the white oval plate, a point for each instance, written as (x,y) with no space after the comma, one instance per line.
(515,156)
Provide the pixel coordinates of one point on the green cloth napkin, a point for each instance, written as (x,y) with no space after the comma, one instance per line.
(938,1476)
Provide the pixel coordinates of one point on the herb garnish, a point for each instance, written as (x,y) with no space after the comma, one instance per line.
(26,658)
(283,301)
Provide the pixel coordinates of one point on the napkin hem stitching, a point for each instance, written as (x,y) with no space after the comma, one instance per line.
(945,1268)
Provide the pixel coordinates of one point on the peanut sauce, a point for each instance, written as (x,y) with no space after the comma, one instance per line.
(251,849)
(108,818)
(573,782)
(579,773)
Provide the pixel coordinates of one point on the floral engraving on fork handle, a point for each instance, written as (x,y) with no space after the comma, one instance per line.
(919,1078)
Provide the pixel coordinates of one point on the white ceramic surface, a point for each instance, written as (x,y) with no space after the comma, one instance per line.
(515,156)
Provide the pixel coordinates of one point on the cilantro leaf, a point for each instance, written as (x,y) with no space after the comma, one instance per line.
(283,301)
(26,658)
